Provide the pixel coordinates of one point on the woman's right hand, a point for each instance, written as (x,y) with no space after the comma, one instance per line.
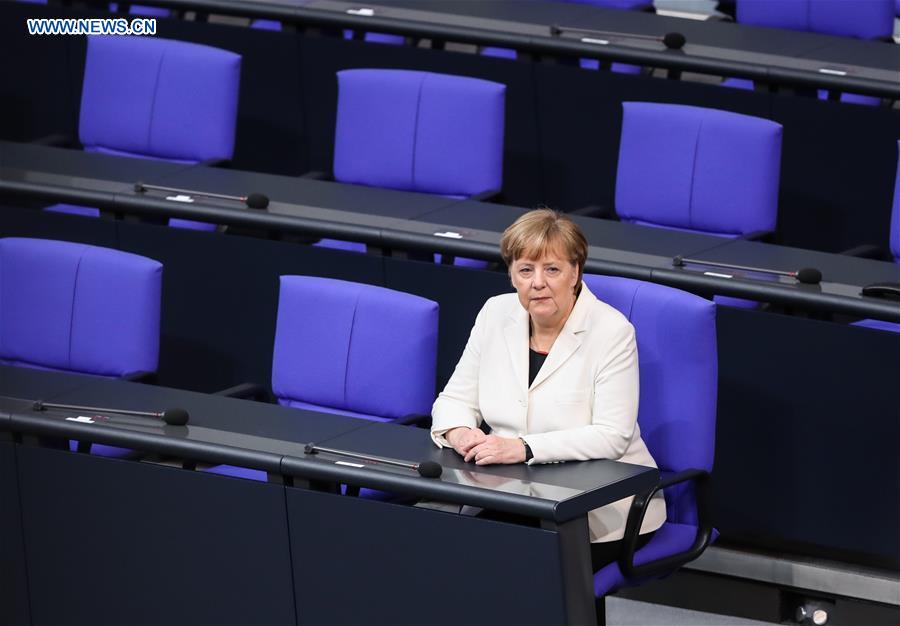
(464,438)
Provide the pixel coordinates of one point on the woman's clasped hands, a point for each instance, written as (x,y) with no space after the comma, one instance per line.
(473,445)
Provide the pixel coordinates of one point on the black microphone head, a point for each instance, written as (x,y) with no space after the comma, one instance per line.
(430,469)
(139,187)
(678,261)
(674,41)
(175,417)
(555,30)
(809,276)
(257,201)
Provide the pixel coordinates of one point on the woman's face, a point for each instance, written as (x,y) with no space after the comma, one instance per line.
(546,286)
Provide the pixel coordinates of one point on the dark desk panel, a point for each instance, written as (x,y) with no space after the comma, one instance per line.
(14,608)
(116,542)
(808,438)
(838,167)
(494,572)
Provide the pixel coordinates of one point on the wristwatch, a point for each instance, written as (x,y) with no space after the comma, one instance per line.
(528,453)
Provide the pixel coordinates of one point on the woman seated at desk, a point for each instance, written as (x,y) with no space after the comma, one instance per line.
(552,371)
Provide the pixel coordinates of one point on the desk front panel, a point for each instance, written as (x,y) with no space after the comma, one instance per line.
(14,607)
(121,542)
(358,561)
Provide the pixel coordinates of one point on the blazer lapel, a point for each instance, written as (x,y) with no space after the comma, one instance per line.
(515,332)
(569,339)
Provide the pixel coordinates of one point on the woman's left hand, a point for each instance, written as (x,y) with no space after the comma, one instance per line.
(497,450)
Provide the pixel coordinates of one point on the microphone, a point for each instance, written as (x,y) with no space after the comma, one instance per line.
(672,41)
(253,201)
(806,275)
(426,469)
(172,417)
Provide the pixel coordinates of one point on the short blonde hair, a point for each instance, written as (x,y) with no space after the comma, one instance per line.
(538,232)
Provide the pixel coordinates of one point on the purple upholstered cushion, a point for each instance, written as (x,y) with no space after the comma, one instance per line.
(671,538)
(700,169)
(78,308)
(864,19)
(676,338)
(158,97)
(353,347)
(419,131)
(895,214)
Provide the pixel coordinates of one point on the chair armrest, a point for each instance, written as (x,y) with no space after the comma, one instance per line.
(488,195)
(248,391)
(141,377)
(636,518)
(316,175)
(595,210)
(59,140)
(414,419)
(866,251)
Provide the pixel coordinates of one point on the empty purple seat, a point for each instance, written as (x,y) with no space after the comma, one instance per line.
(697,169)
(418,131)
(76,308)
(153,98)
(863,19)
(676,339)
(351,349)
(894,245)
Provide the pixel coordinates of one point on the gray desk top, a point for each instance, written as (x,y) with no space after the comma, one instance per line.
(272,438)
(415,221)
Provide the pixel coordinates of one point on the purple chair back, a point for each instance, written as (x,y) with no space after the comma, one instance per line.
(676,338)
(895,214)
(354,349)
(74,307)
(159,98)
(863,19)
(419,131)
(698,169)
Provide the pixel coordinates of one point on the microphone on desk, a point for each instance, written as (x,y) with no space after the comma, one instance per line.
(253,201)
(806,275)
(426,469)
(172,417)
(672,41)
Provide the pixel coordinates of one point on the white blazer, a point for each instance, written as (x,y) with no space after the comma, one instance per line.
(582,405)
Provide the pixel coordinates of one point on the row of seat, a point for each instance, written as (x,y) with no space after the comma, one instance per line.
(713,172)
(79,308)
